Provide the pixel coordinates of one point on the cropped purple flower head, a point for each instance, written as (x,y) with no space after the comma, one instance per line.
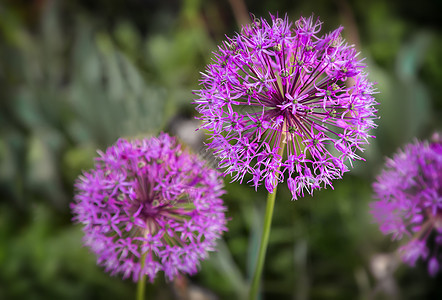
(277,85)
(149,206)
(409,190)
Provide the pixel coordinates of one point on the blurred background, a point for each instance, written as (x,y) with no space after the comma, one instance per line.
(76,75)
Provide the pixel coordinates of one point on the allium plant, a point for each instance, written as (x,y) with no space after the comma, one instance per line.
(277,85)
(409,190)
(149,206)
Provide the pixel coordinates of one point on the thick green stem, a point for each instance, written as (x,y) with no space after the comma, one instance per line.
(141,287)
(254,289)
(263,246)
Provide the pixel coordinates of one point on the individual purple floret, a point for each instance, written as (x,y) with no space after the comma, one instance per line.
(277,85)
(149,206)
(409,190)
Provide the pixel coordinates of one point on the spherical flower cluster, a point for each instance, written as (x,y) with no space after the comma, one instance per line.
(409,190)
(276,86)
(149,206)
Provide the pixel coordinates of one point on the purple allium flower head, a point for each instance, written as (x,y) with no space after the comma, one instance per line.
(149,206)
(276,85)
(409,190)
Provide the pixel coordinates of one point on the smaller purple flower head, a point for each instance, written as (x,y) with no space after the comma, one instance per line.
(150,206)
(409,193)
(281,87)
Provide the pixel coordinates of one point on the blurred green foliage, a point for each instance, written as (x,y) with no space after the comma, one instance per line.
(76,75)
